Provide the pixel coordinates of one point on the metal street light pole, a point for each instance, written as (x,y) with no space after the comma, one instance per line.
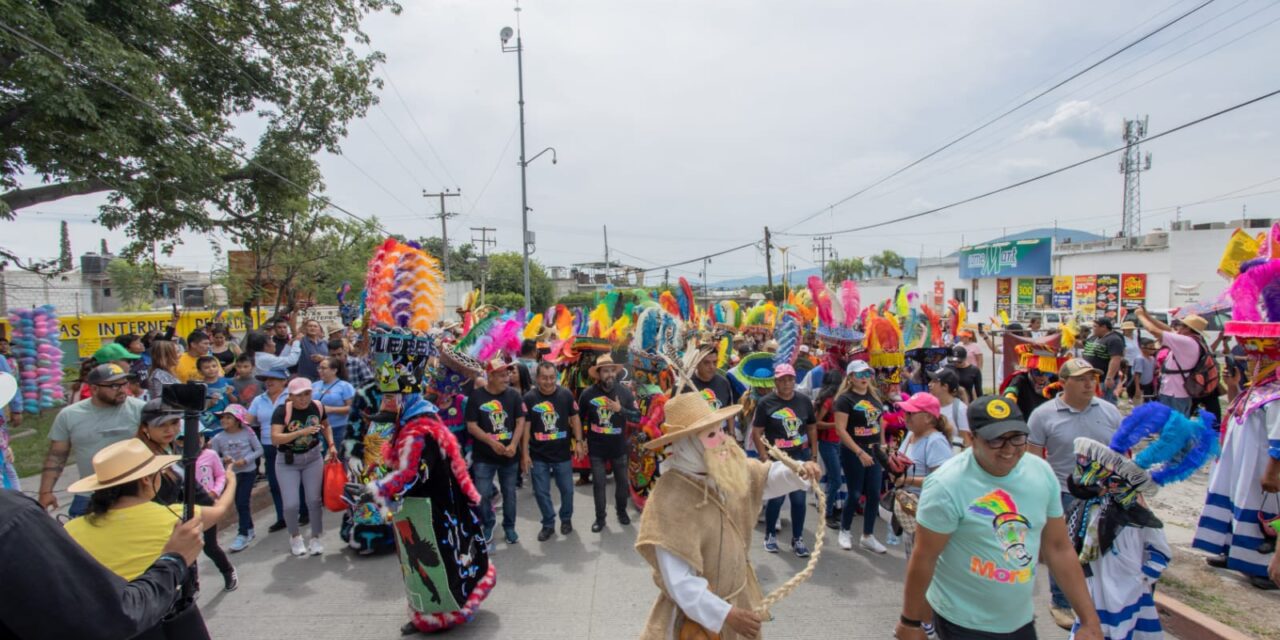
(524,188)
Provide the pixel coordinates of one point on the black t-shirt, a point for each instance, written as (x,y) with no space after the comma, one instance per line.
(785,422)
(549,432)
(721,390)
(604,427)
(496,415)
(1098,351)
(864,417)
(970,379)
(298,419)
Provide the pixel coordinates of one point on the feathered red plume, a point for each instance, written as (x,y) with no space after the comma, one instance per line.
(690,309)
(850,299)
(935,325)
(822,301)
(953,326)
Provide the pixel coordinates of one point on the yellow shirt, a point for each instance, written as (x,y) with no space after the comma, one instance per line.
(127,541)
(187,371)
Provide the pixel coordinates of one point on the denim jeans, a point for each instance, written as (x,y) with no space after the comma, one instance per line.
(79,506)
(562,473)
(244,491)
(773,508)
(483,473)
(830,453)
(861,481)
(621,488)
(1059,598)
(269,456)
(1181,405)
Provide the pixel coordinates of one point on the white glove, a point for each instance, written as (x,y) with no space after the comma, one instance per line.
(355,466)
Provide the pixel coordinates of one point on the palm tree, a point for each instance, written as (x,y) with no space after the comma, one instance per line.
(846,269)
(890,261)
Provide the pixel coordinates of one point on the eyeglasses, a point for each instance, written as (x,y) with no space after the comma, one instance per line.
(115,386)
(1016,440)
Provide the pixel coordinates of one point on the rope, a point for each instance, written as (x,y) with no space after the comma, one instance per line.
(787,587)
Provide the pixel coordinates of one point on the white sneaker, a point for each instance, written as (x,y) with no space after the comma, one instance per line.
(297,547)
(846,539)
(871,544)
(315,548)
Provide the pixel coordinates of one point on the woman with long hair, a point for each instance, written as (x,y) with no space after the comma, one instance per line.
(258,346)
(313,349)
(829,441)
(927,444)
(222,347)
(164,365)
(336,394)
(858,409)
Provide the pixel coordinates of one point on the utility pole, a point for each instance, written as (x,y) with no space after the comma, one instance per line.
(606,255)
(1132,164)
(825,252)
(485,242)
(444,222)
(706,296)
(768,258)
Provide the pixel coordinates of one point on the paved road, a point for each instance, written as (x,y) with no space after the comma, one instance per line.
(586,585)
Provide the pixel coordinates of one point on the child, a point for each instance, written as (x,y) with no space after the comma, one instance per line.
(218,391)
(240,448)
(244,385)
(212,478)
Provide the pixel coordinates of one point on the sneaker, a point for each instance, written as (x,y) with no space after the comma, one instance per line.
(230,580)
(929,631)
(892,539)
(771,543)
(871,544)
(314,547)
(1063,617)
(846,539)
(512,536)
(798,547)
(240,542)
(546,533)
(833,522)
(297,547)
(278,526)
(566,528)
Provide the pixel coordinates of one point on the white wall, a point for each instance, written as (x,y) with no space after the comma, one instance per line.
(67,293)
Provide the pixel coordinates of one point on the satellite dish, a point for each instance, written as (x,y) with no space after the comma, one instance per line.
(506,34)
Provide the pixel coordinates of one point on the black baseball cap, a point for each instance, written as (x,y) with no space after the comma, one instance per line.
(993,416)
(947,377)
(106,374)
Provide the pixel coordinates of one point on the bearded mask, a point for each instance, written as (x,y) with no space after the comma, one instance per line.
(724,464)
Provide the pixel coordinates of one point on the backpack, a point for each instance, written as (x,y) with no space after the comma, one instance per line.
(1202,378)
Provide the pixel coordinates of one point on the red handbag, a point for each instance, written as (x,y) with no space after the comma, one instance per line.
(335,482)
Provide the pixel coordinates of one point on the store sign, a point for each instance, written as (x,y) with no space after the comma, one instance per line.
(1003,259)
(1087,295)
(1026,292)
(1133,290)
(939,293)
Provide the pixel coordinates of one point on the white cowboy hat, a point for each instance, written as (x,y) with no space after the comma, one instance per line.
(8,388)
(122,462)
(689,414)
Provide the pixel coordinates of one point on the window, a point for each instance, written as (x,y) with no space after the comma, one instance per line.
(106,292)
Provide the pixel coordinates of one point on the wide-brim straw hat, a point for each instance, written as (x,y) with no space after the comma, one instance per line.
(120,463)
(690,414)
(1194,323)
(603,361)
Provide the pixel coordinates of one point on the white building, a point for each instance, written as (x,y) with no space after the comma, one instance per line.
(67,292)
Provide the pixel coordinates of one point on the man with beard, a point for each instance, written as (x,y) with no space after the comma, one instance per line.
(495,420)
(696,527)
(606,407)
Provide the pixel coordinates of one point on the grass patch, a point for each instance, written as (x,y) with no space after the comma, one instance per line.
(29,451)
(1212,605)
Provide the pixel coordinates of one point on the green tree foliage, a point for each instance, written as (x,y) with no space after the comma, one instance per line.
(133,284)
(846,269)
(506,275)
(463,261)
(505,300)
(297,72)
(65,263)
(577,300)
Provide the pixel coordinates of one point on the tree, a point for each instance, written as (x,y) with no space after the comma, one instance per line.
(207,69)
(506,275)
(846,269)
(463,262)
(133,284)
(64,249)
(890,261)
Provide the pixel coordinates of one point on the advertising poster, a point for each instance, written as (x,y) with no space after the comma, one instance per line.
(1026,292)
(1108,295)
(1004,296)
(1133,290)
(1086,295)
(1062,286)
(1044,293)
(939,293)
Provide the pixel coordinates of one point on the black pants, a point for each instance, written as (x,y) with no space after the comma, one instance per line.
(622,488)
(214,552)
(950,631)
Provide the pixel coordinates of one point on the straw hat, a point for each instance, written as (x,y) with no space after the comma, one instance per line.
(689,414)
(603,361)
(1194,323)
(122,462)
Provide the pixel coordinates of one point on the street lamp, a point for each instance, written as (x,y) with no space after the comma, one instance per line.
(526,239)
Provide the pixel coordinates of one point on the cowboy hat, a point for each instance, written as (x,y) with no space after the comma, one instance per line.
(605,360)
(120,463)
(1193,322)
(689,414)
(8,389)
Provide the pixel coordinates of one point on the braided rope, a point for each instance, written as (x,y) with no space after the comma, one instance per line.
(787,587)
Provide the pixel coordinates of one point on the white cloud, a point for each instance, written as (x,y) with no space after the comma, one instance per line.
(1079,121)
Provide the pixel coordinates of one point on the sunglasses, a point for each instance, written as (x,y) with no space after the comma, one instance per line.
(863,375)
(1016,440)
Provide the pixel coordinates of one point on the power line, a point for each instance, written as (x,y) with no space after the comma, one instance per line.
(75,66)
(1008,112)
(1047,174)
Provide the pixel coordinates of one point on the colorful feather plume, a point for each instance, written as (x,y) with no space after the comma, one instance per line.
(534,328)
(669,304)
(934,338)
(417,296)
(884,339)
(685,300)
(379,280)
(787,332)
(503,336)
(850,301)
(822,301)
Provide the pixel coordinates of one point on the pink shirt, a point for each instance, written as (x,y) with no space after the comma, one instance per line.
(974,350)
(209,472)
(1183,351)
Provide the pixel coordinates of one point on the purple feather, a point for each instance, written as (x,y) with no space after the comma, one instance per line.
(1271,300)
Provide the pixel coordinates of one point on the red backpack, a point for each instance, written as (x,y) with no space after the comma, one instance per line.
(1202,378)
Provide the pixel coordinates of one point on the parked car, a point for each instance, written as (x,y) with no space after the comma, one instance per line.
(1049,318)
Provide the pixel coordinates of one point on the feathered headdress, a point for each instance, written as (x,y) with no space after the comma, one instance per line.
(884,340)
(1255,293)
(787,333)
(404,287)
(838,311)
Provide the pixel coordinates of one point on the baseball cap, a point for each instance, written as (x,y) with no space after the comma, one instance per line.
(993,416)
(275,374)
(857,366)
(299,385)
(106,373)
(497,364)
(947,377)
(113,352)
(157,412)
(1076,367)
(784,370)
(922,402)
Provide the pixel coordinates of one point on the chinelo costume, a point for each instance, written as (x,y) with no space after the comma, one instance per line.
(838,312)
(1232,523)
(1120,542)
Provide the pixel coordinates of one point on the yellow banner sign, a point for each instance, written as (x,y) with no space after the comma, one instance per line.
(91,331)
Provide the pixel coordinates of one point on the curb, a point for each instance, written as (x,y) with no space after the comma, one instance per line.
(1181,620)
(259,499)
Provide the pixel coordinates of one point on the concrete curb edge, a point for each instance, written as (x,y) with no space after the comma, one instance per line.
(1183,621)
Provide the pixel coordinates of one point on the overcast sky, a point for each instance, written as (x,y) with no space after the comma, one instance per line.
(687,127)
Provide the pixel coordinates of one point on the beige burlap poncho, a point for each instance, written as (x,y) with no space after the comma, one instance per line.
(713,538)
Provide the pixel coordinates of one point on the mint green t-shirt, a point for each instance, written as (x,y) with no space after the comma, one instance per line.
(985,576)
